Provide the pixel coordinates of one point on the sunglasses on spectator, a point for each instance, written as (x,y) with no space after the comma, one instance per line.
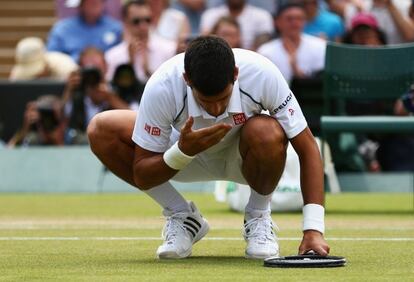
(138,21)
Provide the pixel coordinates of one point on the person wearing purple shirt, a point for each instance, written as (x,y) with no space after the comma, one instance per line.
(91,28)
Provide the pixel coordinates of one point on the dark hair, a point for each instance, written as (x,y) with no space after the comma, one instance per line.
(209,64)
(125,7)
(287,6)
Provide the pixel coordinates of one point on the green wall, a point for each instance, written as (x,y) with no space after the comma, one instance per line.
(76,169)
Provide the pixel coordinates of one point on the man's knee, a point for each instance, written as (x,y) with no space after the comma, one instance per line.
(264,135)
(93,129)
(99,132)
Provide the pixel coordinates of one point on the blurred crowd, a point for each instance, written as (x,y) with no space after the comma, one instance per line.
(106,61)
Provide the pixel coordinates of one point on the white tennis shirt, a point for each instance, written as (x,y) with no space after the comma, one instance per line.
(168,102)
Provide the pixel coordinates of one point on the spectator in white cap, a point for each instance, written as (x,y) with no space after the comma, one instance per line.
(33,61)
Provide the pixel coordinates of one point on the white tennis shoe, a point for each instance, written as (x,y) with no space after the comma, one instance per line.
(259,234)
(181,231)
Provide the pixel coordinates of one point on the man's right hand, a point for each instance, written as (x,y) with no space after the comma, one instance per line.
(193,142)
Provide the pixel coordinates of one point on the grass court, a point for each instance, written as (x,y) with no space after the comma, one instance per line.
(113,237)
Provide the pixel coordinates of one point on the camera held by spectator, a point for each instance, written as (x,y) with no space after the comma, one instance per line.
(43,123)
(86,94)
(127,86)
(91,77)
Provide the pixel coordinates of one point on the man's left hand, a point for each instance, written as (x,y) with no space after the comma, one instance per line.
(313,240)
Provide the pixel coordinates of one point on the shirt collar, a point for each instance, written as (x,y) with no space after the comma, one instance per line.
(195,110)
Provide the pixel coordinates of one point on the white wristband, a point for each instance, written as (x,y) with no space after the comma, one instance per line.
(313,217)
(176,159)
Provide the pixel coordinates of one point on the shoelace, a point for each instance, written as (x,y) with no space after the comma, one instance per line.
(173,227)
(260,229)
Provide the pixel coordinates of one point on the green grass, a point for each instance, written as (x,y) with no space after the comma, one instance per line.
(87,217)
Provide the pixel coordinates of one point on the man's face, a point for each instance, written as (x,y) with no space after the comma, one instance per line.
(214,105)
(311,6)
(92,9)
(95,60)
(230,33)
(366,36)
(291,22)
(138,20)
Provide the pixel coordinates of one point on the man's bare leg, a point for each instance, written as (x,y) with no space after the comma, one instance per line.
(109,136)
(110,139)
(263,147)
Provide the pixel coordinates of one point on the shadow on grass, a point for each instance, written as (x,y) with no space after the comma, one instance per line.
(370,212)
(201,260)
(328,211)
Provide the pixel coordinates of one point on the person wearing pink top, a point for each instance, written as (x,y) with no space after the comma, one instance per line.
(140,48)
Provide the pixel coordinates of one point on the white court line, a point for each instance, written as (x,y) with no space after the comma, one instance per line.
(206,239)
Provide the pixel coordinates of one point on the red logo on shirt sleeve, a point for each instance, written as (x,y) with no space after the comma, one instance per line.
(239,118)
(147,128)
(155,131)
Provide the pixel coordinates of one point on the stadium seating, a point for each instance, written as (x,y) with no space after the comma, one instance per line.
(19,19)
(364,76)
(357,73)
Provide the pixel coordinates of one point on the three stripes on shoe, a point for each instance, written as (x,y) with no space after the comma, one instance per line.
(192,225)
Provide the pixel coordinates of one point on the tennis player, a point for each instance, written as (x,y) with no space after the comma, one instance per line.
(201,119)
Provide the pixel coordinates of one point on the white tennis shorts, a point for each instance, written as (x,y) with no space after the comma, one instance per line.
(224,162)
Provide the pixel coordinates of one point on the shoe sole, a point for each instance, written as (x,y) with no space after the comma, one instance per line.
(174,255)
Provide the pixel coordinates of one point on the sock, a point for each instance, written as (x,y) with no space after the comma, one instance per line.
(257,204)
(168,198)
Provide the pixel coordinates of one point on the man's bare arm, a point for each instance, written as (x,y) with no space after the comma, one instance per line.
(311,174)
(311,168)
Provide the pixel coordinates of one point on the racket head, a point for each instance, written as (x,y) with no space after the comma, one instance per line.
(305,261)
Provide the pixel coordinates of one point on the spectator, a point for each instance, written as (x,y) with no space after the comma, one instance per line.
(411,12)
(228,29)
(126,85)
(86,94)
(33,61)
(365,31)
(268,5)
(193,9)
(346,9)
(405,105)
(144,50)
(182,44)
(90,28)
(295,54)
(255,23)
(43,123)
(321,22)
(168,22)
(395,152)
(393,17)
